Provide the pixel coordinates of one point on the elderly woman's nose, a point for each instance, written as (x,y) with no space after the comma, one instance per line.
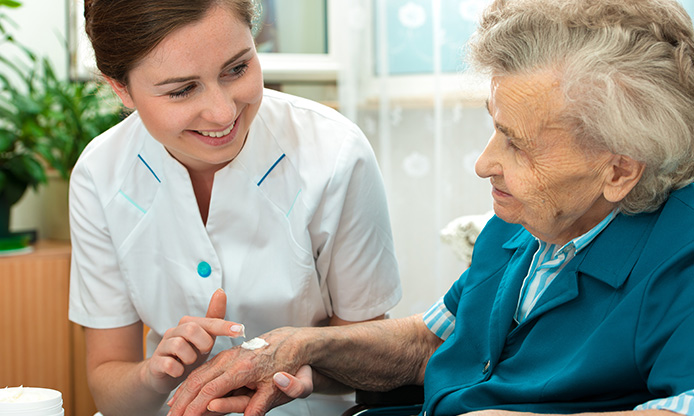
(487,163)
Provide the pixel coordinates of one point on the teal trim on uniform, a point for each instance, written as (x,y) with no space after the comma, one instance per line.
(150,169)
(293,203)
(270,170)
(132,202)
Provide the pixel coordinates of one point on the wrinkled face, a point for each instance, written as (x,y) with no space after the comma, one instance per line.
(199,90)
(541,178)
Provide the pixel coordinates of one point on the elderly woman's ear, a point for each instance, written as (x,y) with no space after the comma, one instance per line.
(623,175)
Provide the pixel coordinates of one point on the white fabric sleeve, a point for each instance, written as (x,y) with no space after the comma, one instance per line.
(352,238)
(99,296)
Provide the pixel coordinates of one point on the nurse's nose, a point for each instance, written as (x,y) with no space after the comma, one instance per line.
(219,106)
(488,163)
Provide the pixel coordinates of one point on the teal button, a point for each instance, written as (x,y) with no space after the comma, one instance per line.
(204,269)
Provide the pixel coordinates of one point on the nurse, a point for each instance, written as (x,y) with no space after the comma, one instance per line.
(213,183)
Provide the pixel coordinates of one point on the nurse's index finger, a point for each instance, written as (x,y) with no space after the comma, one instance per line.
(218,305)
(218,327)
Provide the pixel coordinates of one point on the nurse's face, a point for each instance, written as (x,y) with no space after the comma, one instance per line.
(198,91)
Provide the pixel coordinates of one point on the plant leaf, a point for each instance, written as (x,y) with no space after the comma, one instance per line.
(10,3)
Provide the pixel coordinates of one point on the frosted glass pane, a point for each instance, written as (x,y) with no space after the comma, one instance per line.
(409,33)
(689,6)
(292,26)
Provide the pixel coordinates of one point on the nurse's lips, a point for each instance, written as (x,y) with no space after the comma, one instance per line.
(218,137)
(217,134)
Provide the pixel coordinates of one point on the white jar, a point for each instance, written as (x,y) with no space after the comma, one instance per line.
(30,401)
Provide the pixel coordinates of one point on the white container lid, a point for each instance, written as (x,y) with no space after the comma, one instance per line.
(30,401)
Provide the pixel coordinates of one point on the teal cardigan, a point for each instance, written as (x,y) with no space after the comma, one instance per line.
(614,330)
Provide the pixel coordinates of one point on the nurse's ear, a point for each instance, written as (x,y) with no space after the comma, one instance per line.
(122,91)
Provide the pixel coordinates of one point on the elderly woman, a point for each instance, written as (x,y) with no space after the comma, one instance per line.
(580,296)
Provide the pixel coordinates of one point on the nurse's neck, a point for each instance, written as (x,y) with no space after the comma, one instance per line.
(202,186)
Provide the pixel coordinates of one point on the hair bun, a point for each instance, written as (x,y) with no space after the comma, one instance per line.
(87,5)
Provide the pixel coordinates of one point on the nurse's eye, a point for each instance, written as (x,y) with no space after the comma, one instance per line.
(237,71)
(182,93)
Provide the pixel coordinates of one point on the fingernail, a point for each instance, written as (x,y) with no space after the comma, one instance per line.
(239,329)
(281,379)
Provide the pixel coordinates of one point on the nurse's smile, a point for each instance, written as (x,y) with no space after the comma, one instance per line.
(217,134)
(219,137)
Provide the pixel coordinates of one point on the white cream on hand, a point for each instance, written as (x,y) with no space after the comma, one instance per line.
(254,344)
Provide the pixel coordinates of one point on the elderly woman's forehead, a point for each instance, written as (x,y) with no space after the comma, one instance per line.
(530,86)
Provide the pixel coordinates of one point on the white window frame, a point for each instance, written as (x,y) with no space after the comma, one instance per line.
(277,68)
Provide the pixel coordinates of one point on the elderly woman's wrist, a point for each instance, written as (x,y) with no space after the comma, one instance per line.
(293,347)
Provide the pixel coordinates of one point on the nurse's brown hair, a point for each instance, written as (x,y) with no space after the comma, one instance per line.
(123,32)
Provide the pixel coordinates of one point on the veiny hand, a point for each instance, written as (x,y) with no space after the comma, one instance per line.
(241,381)
(184,347)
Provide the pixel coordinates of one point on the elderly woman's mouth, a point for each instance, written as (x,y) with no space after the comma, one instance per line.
(498,192)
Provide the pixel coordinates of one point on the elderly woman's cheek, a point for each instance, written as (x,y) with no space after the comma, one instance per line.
(547,194)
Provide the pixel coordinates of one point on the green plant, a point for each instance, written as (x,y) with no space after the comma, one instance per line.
(51,120)
(45,122)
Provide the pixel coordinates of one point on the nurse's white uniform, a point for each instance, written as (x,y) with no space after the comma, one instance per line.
(298,230)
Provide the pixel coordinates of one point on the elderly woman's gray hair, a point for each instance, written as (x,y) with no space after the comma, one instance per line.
(626,70)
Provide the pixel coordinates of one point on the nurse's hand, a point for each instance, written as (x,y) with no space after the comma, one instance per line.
(244,381)
(297,386)
(184,347)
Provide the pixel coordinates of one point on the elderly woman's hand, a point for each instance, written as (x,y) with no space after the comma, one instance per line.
(187,345)
(239,380)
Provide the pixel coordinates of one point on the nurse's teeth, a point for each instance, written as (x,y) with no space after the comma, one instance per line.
(217,133)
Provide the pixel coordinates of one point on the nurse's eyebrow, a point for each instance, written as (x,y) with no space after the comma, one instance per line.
(178,80)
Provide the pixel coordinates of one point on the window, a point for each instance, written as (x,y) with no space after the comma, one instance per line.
(293,39)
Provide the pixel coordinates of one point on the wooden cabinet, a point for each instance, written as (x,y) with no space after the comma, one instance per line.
(39,347)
